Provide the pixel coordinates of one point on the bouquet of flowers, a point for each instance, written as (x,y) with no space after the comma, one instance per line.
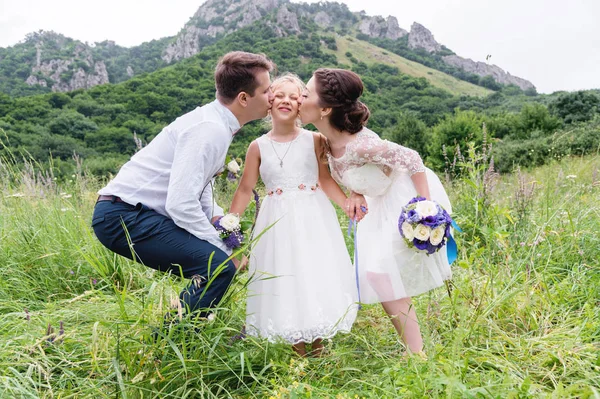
(424,225)
(230,230)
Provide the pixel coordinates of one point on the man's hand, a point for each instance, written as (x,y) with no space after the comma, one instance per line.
(214,219)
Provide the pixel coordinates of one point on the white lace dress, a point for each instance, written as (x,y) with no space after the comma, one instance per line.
(380,170)
(302,284)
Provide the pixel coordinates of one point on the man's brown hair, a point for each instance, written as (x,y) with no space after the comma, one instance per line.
(236,72)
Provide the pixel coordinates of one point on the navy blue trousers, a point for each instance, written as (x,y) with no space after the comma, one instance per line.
(160,244)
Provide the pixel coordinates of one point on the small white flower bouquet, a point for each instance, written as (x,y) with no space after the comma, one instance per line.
(230,230)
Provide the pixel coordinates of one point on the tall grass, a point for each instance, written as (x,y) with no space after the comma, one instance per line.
(520,319)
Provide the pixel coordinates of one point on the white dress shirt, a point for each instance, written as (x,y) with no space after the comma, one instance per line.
(173,174)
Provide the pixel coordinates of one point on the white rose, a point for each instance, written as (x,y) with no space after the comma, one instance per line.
(230,222)
(233,166)
(408,231)
(437,235)
(422,232)
(426,208)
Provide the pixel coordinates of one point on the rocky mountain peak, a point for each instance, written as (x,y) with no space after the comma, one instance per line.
(421,37)
(218,17)
(379,27)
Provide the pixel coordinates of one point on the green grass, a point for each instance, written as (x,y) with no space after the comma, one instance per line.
(522,320)
(370,54)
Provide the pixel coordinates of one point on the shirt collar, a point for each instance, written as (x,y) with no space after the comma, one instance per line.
(229,118)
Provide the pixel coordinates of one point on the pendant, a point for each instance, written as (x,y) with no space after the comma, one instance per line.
(281,164)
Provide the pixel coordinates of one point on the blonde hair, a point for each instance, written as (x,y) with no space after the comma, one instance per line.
(287,77)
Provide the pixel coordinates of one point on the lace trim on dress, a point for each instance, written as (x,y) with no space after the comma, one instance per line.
(369,148)
(292,335)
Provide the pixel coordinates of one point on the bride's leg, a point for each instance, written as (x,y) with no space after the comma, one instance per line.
(404,318)
(401,311)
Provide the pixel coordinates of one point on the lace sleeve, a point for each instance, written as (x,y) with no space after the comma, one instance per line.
(369,148)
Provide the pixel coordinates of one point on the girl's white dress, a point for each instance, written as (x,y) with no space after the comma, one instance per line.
(302,284)
(381,170)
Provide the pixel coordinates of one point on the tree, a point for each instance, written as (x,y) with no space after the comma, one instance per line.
(72,124)
(579,106)
(490,83)
(454,131)
(410,132)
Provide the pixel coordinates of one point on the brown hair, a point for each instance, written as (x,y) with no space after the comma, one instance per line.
(236,72)
(340,90)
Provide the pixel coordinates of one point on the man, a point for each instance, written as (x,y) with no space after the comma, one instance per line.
(159,208)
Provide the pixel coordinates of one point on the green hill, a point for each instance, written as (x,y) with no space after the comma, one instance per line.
(370,54)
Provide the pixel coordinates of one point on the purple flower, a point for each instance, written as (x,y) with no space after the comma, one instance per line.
(256,201)
(238,337)
(231,176)
(49,332)
(234,240)
(413,216)
(401,219)
(417,199)
(422,245)
(432,221)
(94,281)
(71,272)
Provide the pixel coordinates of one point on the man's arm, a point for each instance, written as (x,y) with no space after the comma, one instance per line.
(196,152)
(209,204)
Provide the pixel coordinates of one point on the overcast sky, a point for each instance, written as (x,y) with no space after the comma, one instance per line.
(553,43)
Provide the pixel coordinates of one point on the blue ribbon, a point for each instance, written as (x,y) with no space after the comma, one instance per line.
(451,246)
(352,226)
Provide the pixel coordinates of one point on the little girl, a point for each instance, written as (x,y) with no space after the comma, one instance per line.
(302,288)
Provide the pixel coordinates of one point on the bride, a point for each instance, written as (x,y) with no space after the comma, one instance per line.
(388,175)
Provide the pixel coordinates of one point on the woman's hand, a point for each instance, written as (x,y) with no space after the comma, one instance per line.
(356,207)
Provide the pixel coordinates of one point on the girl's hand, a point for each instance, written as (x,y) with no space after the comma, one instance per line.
(243,263)
(356,207)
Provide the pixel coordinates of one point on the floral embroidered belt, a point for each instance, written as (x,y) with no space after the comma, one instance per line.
(300,187)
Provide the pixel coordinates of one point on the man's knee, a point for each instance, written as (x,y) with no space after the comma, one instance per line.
(225,268)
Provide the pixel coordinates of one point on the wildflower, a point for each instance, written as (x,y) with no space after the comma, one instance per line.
(233,167)
(50,333)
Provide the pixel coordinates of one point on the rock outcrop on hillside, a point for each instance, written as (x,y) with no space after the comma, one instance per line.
(380,27)
(483,69)
(421,37)
(79,71)
(218,17)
